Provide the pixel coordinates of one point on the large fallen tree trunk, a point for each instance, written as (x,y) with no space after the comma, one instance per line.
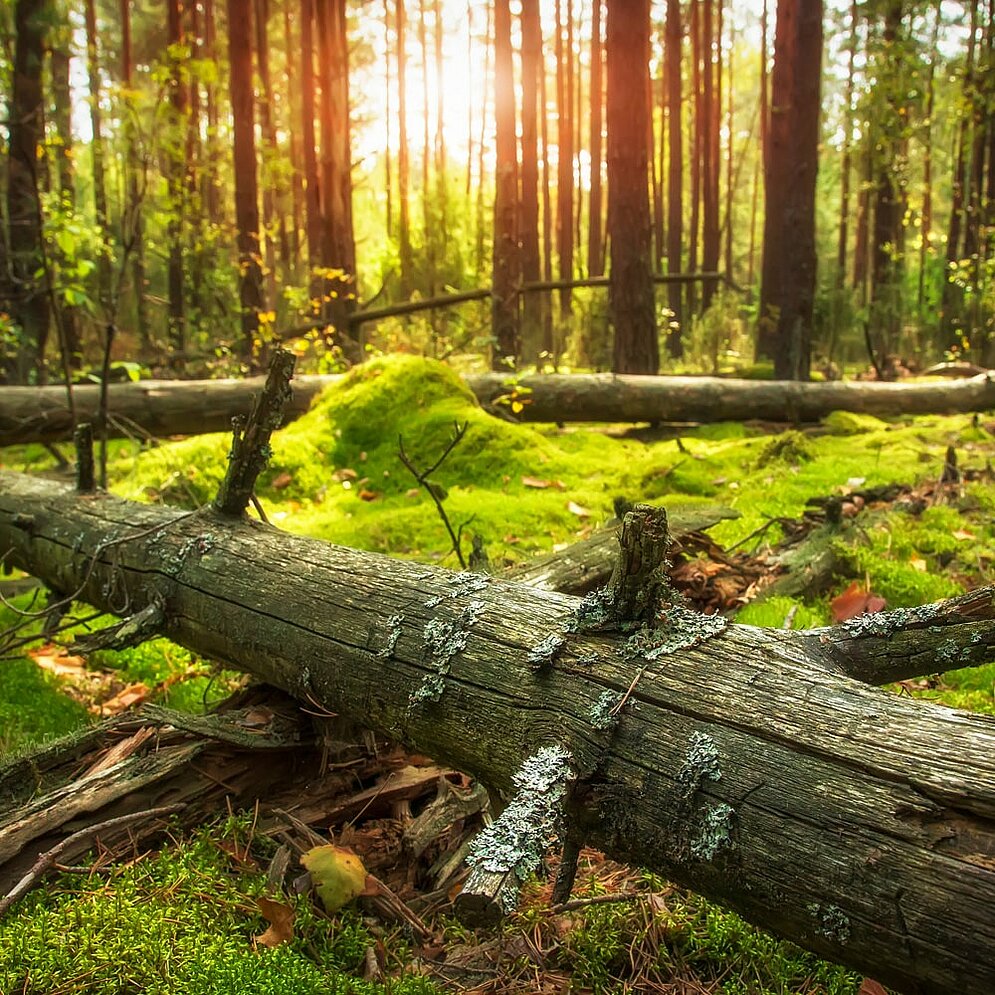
(165,407)
(741,762)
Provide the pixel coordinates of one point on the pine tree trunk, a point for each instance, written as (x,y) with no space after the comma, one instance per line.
(630,288)
(403,152)
(675,174)
(251,296)
(26,291)
(532,344)
(504,281)
(312,182)
(564,153)
(595,240)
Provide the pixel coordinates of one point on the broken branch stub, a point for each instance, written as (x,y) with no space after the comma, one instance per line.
(250,449)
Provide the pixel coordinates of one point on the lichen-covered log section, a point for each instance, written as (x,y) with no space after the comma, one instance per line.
(857,823)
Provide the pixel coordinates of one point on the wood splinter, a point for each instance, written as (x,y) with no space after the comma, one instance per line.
(250,450)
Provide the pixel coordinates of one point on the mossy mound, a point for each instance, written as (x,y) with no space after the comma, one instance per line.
(789,447)
(851,423)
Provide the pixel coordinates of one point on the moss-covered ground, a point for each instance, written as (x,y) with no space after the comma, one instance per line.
(183,920)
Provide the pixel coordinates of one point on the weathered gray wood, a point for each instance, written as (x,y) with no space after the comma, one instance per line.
(855,822)
(189,407)
(587,564)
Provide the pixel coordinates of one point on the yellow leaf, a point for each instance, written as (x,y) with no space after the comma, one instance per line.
(517,407)
(338,875)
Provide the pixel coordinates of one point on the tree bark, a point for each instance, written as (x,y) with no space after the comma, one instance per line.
(675,174)
(564,152)
(312,184)
(403,152)
(630,288)
(532,344)
(176,318)
(788,291)
(848,819)
(25,291)
(246,189)
(595,239)
(504,280)
(190,407)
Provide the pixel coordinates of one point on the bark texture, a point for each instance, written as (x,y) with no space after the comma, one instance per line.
(737,761)
(162,408)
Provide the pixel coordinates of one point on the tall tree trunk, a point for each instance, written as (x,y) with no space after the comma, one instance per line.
(403,161)
(132,226)
(483,221)
(176,320)
(296,177)
(595,240)
(887,264)
(529,215)
(675,174)
(387,154)
(711,101)
(338,242)
(97,160)
(845,164)
(695,125)
(246,187)
(211,189)
(656,174)
(564,153)
(67,322)
(441,164)
(788,291)
(731,172)
(547,215)
(429,233)
(312,182)
(926,226)
(504,281)
(630,288)
(27,292)
(765,329)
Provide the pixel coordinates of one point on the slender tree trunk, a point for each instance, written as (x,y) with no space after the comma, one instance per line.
(564,153)
(211,188)
(712,101)
(387,155)
(176,320)
(246,187)
(656,175)
(547,215)
(68,322)
(312,182)
(27,292)
(788,292)
(765,329)
(630,288)
(403,162)
(730,171)
(429,233)
(926,228)
(441,164)
(482,218)
(696,126)
(504,282)
(97,159)
(529,213)
(294,144)
(132,226)
(845,164)
(595,241)
(675,174)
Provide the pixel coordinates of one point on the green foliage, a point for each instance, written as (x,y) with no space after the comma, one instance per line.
(180,923)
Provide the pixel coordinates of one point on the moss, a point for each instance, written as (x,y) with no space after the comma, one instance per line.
(851,423)
(790,447)
(33,709)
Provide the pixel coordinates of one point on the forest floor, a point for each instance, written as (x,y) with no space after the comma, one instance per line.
(902,527)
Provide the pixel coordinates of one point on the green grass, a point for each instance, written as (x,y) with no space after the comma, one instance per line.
(181,923)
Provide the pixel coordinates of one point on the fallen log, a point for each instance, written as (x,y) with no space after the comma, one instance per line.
(162,408)
(741,762)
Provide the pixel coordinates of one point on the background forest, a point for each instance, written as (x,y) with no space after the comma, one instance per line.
(197,185)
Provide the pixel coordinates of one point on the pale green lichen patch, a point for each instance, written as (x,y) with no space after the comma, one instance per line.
(515,843)
(680,628)
(700,764)
(393,634)
(605,711)
(444,640)
(887,623)
(545,651)
(461,584)
(714,833)
(834,924)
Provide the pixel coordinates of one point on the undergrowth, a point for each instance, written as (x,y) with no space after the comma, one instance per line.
(183,920)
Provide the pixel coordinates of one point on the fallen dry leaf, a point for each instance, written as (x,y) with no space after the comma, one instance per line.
(855,601)
(57,661)
(346,473)
(963,535)
(281,922)
(542,484)
(918,564)
(133,694)
(338,875)
(871,987)
(281,480)
(365,495)
(579,510)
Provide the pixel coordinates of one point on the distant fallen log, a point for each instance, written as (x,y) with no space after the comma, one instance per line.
(161,408)
(741,762)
